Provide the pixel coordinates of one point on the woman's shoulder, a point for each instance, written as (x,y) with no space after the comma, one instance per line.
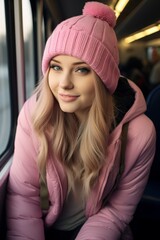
(142,130)
(141,123)
(30,103)
(26,112)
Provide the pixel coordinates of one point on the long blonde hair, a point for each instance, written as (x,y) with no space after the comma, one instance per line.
(81,148)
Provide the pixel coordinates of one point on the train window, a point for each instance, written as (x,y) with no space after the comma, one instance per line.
(5,108)
(28,47)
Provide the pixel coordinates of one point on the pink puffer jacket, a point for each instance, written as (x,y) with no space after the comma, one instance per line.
(24,217)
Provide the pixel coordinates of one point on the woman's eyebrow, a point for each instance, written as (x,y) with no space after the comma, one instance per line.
(74,63)
(54,60)
(78,63)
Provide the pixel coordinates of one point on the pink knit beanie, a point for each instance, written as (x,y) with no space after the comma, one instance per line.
(91,38)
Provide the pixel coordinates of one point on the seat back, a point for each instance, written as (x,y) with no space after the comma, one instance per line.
(147,216)
(153,112)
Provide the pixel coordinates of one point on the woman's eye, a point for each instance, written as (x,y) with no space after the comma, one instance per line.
(83,70)
(55,67)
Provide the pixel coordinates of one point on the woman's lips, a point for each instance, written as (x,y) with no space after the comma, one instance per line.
(67,97)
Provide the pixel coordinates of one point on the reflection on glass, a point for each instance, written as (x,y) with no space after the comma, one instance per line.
(5,113)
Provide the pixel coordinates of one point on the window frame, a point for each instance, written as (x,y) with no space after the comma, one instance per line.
(11,55)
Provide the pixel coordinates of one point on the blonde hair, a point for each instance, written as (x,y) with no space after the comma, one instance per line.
(81,148)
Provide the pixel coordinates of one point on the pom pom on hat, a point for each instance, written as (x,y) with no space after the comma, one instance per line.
(101,11)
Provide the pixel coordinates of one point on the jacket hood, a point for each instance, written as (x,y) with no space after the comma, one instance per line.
(129,101)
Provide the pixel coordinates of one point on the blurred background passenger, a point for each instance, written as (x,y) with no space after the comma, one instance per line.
(155,74)
(154,67)
(134,70)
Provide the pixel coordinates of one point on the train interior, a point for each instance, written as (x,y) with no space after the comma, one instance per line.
(137,15)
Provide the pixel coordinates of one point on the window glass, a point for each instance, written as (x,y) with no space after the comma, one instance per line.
(43,33)
(5,108)
(28,47)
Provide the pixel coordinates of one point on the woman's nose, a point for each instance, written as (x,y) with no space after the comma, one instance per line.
(66,82)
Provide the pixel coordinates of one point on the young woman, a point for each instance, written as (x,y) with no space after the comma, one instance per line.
(68,180)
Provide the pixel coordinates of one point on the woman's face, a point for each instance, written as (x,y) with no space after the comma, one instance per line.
(72,83)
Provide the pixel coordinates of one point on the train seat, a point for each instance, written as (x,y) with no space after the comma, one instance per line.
(153,112)
(147,217)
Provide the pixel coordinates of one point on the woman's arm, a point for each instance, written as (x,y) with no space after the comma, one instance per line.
(24,216)
(110,221)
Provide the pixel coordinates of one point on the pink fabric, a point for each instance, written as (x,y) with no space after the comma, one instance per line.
(91,38)
(98,10)
(23,204)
